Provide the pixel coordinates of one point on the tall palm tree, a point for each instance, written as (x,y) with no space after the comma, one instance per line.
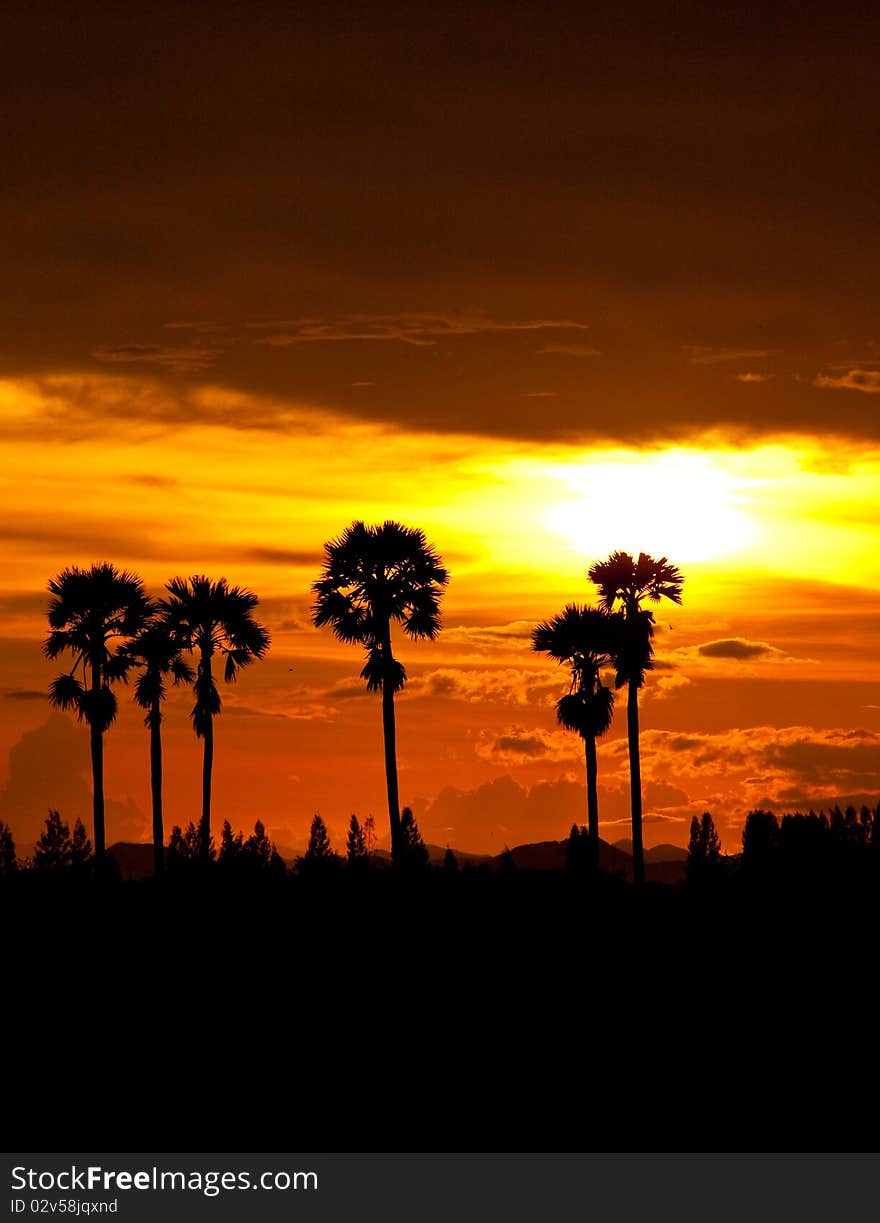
(92,613)
(211,617)
(586,639)
(629,583)
(373,576)
(158,652)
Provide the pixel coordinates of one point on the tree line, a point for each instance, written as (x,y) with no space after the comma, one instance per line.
(374,579)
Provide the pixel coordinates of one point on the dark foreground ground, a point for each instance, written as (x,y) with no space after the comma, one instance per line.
(469,1012)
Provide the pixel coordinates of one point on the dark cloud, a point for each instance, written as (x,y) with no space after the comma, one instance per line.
(354,177)
(24,694)
(286,557)
(867,380)
(736,647)
(49,768)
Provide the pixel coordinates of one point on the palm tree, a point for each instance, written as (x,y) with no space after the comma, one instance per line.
(92,613)
(212,617)
(584,638)
(627,582)
(373,576)
(159,654)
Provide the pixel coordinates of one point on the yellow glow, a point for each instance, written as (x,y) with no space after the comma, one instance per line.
(679,503)
(518,523)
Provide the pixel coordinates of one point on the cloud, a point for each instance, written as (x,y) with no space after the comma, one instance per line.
(295,558)
(867,380)
(502,812)
(738,648)
(505,685)
(572,350)
(751,377)
(709,355)
(484,638)
(695,661)
(417,328)
(24,694)
(522,745)
(178,360)
(49,768)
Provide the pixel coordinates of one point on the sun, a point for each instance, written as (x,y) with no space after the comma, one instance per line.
(678,503)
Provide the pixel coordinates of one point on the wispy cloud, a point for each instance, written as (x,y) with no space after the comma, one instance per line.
(867,380)
(572,350)
(700,354)
(418,328)
(178,360)
(752,377)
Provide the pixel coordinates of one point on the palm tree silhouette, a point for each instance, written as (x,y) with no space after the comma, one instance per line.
(92,613)
(586,639)
(212,617)
(629,583)
(373,575)
(158,652)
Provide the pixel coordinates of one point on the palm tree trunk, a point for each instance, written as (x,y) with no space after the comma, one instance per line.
(98,792)
(592,801)
(207,771)
(635,781)
(207,766)
(97,745)
(389,730)
(156,790)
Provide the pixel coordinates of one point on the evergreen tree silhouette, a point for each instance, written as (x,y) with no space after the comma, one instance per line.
(212,618)
(8,863)
(629,583)
(260,853)
(356,844)
(186,848)
(374,576)
(704,850)
(230,846)
(91,614)
(413,851)
(319,855)
(760,843)
(450,862)
(370,834)
(585,639)
(158,652)
(57,851)
(80,847)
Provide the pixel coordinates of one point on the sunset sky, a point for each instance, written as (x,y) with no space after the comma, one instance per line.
(542,281)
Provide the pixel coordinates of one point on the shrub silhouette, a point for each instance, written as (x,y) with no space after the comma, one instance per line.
(8,863)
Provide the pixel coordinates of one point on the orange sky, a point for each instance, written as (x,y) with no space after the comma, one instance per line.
(537,286)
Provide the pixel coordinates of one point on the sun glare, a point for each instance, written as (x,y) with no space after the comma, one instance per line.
(682,504)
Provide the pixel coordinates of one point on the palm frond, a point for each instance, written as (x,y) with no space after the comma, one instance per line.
(66,692)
